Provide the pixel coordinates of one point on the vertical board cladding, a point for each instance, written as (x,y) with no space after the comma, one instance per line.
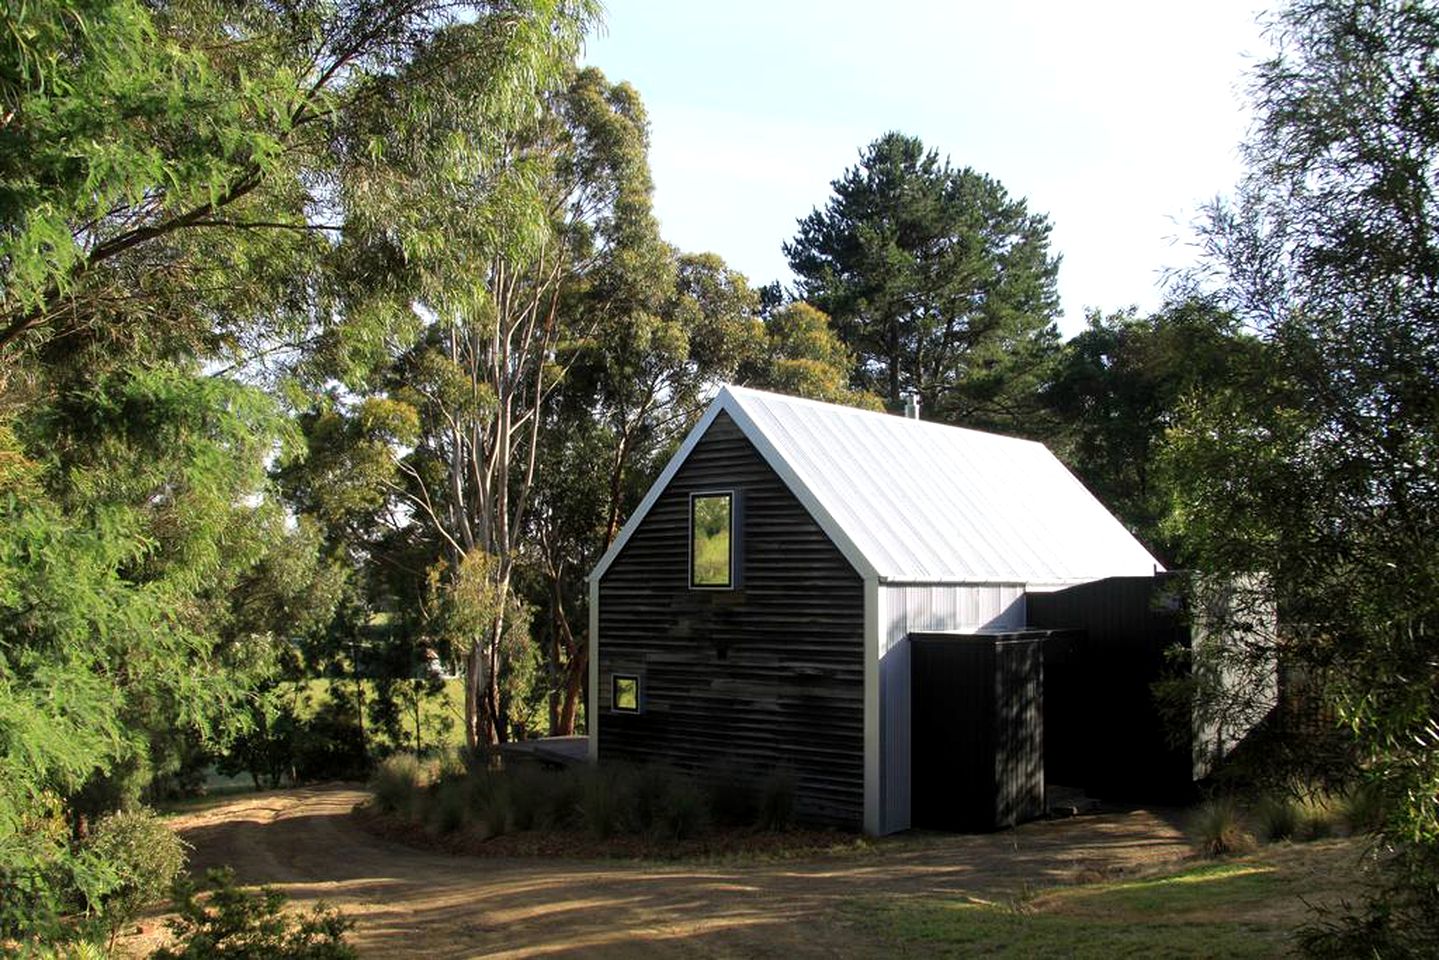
(739,682)
(913,608)
(1103,687)
(978,730)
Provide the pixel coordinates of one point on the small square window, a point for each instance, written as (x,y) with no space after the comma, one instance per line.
(712,540)
(626,694)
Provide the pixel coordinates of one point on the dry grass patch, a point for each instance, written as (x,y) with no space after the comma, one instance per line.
(1246,907)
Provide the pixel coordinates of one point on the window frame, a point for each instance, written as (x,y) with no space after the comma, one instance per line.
(615,707)
(732,495)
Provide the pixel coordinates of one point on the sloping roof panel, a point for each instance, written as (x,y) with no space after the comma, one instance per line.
(913,501)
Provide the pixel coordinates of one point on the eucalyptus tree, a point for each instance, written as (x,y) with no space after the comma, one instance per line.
(938,280)
(175,179)
(1326,480)
(170,169)
(477,250)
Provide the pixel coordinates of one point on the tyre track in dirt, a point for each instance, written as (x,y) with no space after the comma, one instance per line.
(411,902)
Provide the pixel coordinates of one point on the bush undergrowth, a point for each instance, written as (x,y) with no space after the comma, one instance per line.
(654,802)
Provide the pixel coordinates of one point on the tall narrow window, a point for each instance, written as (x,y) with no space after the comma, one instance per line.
(712,540)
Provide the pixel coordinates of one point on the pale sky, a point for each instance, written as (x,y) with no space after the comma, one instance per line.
(1117,119)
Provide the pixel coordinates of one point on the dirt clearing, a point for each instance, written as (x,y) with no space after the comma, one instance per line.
(410,902)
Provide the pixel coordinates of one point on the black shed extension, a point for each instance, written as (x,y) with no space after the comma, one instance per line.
(978,729)
(1110,736)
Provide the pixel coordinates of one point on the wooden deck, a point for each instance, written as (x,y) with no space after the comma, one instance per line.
(550,751)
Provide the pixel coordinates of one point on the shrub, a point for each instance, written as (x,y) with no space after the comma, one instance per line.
(1217,828)
(144,857)
(399,783)
(37,866)
(776,800)
(234,923)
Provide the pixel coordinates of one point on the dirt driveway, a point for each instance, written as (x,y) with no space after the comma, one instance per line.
(410,902)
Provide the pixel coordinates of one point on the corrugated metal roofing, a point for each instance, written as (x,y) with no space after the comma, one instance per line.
(914,501)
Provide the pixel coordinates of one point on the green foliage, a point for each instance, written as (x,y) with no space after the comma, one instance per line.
(135,518)
(145,856)
(1121,384)
(938,281)
(196,199)
(801,355)
(1324,476)
(232,922)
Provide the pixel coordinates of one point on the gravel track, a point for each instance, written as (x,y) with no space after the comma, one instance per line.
(422,903)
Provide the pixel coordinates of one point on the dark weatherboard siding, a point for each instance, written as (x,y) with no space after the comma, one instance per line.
(770,675)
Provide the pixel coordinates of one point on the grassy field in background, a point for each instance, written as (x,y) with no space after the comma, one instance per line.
(1241,908)
(316,694)
(432,710)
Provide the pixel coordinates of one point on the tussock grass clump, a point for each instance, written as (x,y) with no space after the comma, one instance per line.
(1319,817)
(1362,808)
(493,802)
(684,812)
(659,803)
(1217,828)
(777,799)
(399,784)
(1303,815)
(733,800)
(603,801)
(448,805)
(1276,819)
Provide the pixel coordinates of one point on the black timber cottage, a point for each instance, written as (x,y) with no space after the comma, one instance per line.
(761,607)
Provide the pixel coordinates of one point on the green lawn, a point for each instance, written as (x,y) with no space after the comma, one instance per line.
(1243,908)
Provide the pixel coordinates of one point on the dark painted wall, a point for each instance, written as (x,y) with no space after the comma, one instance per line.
(1116,738)
(747,680)
(978,731)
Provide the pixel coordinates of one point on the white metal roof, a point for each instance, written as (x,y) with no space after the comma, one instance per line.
(912,501)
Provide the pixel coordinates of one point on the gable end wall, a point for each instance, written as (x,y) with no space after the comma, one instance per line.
(769,675)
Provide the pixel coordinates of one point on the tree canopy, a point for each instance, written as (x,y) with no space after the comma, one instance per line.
(937,280)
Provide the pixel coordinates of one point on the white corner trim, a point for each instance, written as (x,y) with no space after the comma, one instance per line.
(592,704)
(873,620)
